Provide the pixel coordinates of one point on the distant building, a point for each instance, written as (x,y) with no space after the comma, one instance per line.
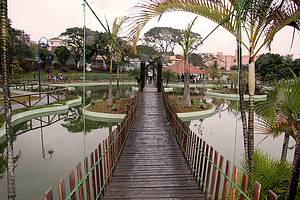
(54,43)
(227,61)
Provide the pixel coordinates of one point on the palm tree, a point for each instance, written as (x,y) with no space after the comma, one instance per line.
(187,43)
(114,51)
(7,103)
(261,20)
(282,112)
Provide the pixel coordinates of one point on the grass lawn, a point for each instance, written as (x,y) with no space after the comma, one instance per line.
(120,106)
(198,104)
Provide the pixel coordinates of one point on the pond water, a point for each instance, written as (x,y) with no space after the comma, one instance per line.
(223,131)
(45,155)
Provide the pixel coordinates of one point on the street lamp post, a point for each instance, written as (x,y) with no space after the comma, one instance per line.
(43,42)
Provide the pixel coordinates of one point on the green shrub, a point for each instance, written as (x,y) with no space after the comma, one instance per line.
(271,173)
(114,108)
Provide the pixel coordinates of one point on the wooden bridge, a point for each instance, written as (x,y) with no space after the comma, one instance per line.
(153,155)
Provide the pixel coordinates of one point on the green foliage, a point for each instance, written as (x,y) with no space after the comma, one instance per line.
(16,69)
(197,59)
(213,71)
(169,76)
(114,108)
(272,174)
(163,39)
(62,54)
(145,51)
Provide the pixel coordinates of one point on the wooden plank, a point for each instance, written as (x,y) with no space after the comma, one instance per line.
(87,183)
(272,196)
(200,176)
(104,161)
(49,195)
(219,177)
(234,177)
(62,189)
(97,177)
(79,178)
(209,171)
(245,183)
(101,167)
(198,159)
(194,167)
(213,176)
(225,184)
(94,190)
(72,183)
(257,188)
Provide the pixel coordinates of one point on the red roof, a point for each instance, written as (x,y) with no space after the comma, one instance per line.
(179,69)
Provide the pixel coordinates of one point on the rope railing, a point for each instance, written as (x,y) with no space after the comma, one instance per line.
(99,168)
(207,165)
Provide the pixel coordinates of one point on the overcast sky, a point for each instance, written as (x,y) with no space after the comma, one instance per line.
(51,17)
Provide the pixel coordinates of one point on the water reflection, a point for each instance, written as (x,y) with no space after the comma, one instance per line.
(51,146)
(224,132)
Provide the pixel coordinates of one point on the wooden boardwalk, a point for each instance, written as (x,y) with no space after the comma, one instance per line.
(152,165)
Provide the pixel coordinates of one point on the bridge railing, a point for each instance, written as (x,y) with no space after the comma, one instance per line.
(214,179)
(90,179)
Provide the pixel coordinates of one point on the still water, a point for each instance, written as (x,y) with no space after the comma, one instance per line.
(45,155)
(223,131)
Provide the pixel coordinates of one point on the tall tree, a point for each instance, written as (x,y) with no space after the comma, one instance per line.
(261,20)
(74,40)
(114,51)
(163,39)
(5,82)
(188,41)
(62,54)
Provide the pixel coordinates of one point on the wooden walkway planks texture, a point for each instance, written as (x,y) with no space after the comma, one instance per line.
(151,165)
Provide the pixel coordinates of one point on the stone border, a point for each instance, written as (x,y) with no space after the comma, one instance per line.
(188,116)
(235,96)
(27,115)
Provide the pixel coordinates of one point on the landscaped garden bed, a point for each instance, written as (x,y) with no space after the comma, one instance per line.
(198,104)
(120,106)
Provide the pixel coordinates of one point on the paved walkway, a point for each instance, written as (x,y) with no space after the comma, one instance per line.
(151,165)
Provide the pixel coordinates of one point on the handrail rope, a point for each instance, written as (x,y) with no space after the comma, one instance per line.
(232,184)
(102,156)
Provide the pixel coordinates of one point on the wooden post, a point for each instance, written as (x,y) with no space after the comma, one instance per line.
(159,75)
(219,177)
(62,189)
(214,172)
(209,171)
(225,184)
(244,186)
(235,177)
(79,178)
(49,195)
(257,188)
(72,184)
(101,167)
(272,195)
(142,75)
(87,183)
(97,170)
(93,175)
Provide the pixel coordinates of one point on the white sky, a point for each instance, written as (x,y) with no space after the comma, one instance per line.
(49,18)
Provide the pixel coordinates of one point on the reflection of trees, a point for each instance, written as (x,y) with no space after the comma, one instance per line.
(77,125)
(224,105)
(3,160)
(199,126)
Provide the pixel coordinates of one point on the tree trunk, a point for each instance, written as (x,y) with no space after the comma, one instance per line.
(109,100)
(11,187)
(285,147)
(186,92)
(251,82)
(296,170)
(118,83)
(242,110)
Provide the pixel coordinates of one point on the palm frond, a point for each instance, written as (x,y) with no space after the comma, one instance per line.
(216,11)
